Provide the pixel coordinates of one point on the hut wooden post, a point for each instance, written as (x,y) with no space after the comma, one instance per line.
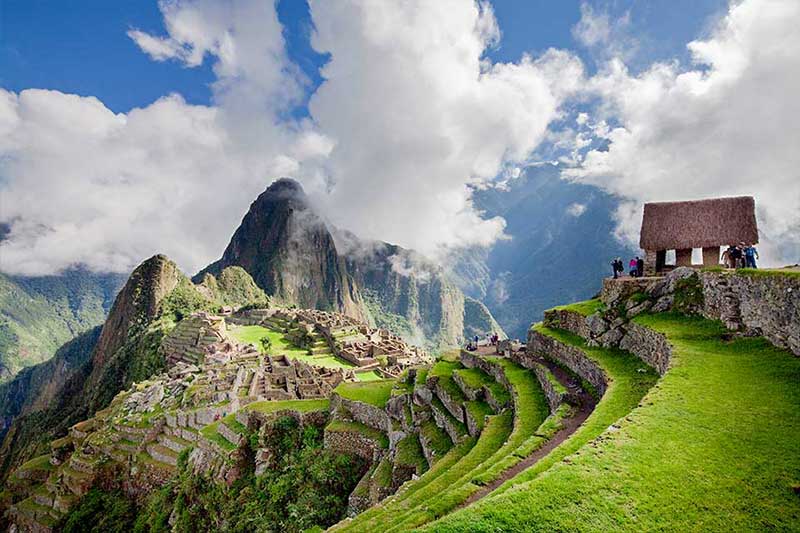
(710,256)
(650,262)
(683,257)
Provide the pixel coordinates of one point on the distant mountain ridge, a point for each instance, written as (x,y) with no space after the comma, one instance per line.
(562,242)
(39,314)
(299,259)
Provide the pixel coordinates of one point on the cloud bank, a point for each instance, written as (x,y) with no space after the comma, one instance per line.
(410,117)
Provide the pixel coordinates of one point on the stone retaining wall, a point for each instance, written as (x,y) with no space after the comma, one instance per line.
(354,443)
(445,422)
(648,345)
(456,408)
(567,320)
(229,434)
(569,356)
(365,413)
(470,393)
(767,305)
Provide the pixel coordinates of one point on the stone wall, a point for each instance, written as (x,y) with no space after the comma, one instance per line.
(569,356)
(456,408)
(354,443)
(365,413)
(567,320)
(648,345)
(767,304)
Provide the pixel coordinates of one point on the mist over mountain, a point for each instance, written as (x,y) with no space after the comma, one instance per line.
(561,245)
(299,259)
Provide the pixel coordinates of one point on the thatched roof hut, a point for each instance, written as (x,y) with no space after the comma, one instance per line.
(699,224)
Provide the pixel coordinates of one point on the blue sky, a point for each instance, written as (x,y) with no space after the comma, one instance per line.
(106,166)
(82,48)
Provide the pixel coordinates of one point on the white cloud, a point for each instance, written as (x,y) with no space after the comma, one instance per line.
(604,35)
(728,126)
(81,184)
(411,115)
(576,209)
(418,115)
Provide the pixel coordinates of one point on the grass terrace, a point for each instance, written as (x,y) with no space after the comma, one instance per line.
(358,427)
(474,378)
(210,432)
(302,406)
(409,452)
(404,507)
(793,272)
(375,393)
(585,308)
(713,447)
(437,438)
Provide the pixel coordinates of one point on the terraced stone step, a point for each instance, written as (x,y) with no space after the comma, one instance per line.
(81,463)
(442,466)
(162,454)
(434,440)
(46,516)
(176,444)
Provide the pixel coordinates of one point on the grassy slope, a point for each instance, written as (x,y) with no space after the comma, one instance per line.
(375,392)
(714,447)
(38,315)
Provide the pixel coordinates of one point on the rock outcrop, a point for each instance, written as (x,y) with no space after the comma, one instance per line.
(288,250)
(755,303)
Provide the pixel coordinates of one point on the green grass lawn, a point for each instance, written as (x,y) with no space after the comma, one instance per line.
(368,376)
(210,432)
(585,308)
(281,346)
(375,393)
(713,447)
(302,406)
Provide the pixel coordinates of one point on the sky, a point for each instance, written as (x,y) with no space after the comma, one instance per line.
(131,128)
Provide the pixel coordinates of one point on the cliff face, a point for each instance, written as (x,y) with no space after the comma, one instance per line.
(135,307)
(297,259)
(289,252)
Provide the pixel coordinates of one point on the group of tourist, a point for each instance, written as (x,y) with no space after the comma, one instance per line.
(635,267)
(740,255)
(491,340)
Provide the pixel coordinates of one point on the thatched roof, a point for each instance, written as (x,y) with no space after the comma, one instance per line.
(700,223)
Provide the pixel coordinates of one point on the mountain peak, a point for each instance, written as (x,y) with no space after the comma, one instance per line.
(282,190)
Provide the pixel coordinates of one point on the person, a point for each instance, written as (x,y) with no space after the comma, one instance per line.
(476,341)
(639,266)
(616,266)
(633,266)
(726,257)
(750,256)
(736,256)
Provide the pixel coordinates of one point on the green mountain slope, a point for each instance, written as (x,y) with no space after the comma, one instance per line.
(38,315)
